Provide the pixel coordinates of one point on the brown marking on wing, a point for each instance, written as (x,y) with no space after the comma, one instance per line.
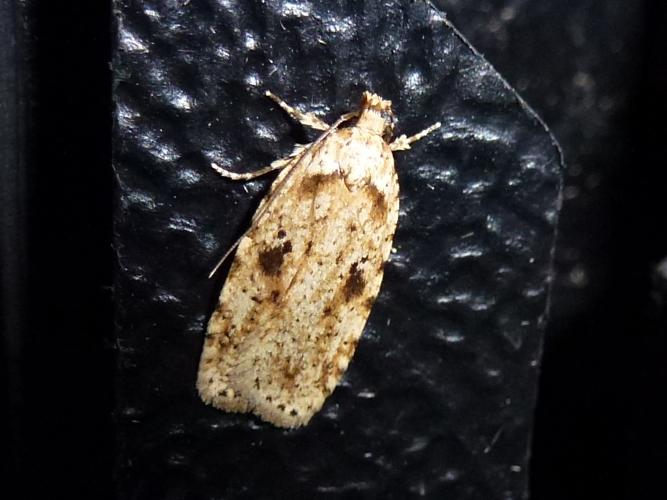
(355,283)
(272,259)
(311,184)
(289,374)
(379,203)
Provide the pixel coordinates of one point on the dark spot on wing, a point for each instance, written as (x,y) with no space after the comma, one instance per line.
(355,283)
(275,295)
(281,233)
(311,184)
(272,259)
(378,203)
(289,374)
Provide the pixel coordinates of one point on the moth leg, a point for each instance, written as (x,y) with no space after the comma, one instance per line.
(403,142)
(275,165)
(307,119)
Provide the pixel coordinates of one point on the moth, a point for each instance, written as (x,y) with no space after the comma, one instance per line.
(308,270)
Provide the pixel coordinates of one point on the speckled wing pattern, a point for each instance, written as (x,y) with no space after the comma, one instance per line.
(303,281)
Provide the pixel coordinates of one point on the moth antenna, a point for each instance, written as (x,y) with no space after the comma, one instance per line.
(224,257)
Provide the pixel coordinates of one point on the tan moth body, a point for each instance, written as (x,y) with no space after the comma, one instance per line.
(307,272)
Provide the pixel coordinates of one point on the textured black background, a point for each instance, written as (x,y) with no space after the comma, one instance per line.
(593,69)
(439,398)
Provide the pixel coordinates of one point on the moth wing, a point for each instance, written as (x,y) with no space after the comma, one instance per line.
(303,282)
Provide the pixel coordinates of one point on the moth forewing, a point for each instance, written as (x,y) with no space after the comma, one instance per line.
(305,275)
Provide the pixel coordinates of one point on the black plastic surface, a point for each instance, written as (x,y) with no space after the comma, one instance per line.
(438,400)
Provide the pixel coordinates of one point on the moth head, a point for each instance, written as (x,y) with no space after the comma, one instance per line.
(378,111)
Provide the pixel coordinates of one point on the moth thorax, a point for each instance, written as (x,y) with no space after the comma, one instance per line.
(376,115)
